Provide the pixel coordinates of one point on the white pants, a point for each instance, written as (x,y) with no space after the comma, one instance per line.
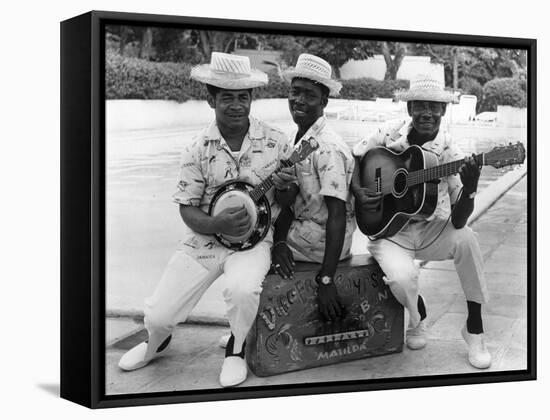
(197,263)
(402,272)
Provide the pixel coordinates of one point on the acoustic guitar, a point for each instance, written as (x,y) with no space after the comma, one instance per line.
(238,193)
(408,183)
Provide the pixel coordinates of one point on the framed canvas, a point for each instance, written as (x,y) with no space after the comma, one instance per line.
(135,107)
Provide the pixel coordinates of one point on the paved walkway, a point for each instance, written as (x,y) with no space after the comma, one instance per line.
(194,359)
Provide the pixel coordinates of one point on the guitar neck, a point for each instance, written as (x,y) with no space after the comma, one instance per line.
(263,187)
(436,172)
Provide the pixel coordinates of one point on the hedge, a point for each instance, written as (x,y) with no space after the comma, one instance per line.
(133,78)
(504,91)
(368,88)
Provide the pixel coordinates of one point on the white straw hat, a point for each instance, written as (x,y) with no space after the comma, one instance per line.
(229,71)
(314,68)
(425,88)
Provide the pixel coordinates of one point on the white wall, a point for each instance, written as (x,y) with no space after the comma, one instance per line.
(510,116)
(375,67)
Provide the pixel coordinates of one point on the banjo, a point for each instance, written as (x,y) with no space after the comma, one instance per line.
(239,193)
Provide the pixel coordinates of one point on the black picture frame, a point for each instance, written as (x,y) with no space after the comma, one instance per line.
(83,210)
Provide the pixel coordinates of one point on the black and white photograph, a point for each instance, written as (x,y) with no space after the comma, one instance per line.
(289,209)
(275,210)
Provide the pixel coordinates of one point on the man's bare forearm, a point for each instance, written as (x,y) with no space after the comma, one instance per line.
(198,220)
(462,210)
(335,234)
(286,198)
(282,225)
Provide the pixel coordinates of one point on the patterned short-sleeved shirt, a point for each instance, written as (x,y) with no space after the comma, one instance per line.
(394,135)
(208,162)
(327,172)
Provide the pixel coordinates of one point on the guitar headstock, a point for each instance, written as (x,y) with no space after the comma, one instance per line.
(501,156)
(303,150)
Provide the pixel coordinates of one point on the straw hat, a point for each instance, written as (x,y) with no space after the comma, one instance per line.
(229,71)
(425,88)
(313,68)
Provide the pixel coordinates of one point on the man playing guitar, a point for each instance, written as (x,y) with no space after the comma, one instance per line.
(234,146)
(433,238)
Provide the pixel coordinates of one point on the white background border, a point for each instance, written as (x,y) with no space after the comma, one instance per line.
(30,208)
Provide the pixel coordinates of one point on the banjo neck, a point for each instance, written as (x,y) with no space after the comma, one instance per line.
(263,187)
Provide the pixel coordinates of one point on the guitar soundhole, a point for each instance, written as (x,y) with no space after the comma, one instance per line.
(400,183)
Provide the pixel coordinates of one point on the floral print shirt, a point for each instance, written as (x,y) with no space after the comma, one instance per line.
(327,172)
(208,162)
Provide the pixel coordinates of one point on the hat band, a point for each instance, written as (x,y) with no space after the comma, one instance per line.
(231,75)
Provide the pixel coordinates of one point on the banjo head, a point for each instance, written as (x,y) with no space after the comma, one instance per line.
(236,194)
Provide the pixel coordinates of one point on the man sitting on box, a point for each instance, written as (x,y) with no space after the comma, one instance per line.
(319,225)
(433,239)
(234,146)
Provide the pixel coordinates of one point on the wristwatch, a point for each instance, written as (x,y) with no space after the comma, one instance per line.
(325,280)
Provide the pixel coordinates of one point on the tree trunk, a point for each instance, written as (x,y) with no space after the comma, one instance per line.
(146,46)
(123,37)
(336,72)
(393,64)
(455,68)
(205,44)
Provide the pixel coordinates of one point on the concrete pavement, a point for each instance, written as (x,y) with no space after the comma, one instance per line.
(194,359)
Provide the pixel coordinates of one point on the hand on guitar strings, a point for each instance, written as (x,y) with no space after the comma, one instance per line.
(330,304)
(284,178)
(369,200)
(282,260)
(233,221)
(469,172)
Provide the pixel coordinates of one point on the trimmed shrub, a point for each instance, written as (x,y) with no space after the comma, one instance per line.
(504,91)
(133,78)
(276,88)
(368,88)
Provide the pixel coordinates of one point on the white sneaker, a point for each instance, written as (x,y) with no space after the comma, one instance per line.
(135,357)
(233,372)
(478,355)
(416,337)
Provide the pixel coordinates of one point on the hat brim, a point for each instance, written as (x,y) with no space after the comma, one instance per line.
(332,85)
(424,95)
(203,74)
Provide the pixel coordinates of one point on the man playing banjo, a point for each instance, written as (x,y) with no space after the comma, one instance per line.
(434,238)
(234,146)
(320,225)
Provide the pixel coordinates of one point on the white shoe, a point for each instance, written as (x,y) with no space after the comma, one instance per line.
(233,372)
(478,355)
(135,357)
(223,340)
(416,337)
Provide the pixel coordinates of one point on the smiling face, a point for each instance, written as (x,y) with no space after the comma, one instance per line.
(426,117)
(306,101)
(232,107)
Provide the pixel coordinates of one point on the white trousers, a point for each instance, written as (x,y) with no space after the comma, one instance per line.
(402,272)
(197,263)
